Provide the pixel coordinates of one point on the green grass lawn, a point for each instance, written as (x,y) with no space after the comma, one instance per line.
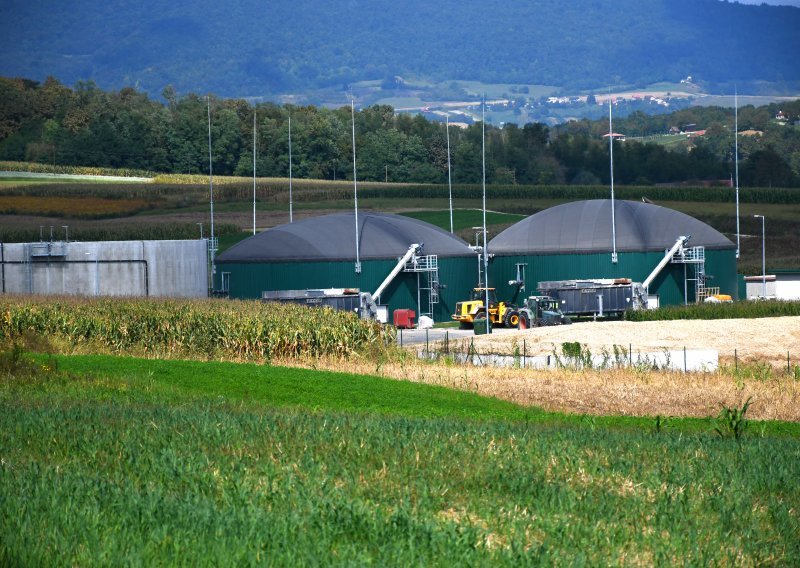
(16,182)
(125,461)
(175,381)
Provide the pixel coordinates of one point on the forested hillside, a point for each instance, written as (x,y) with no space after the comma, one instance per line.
(54,124)
(253,48)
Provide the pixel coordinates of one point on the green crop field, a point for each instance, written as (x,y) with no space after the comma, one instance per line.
(464,218)
(763,309)
(172,206)
(126,461)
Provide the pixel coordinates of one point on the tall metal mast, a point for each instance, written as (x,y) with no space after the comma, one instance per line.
(355,182)
(611,160)
(449,180)
(291,217)
(211,244)
(736,162)
(254,171)
(485,245)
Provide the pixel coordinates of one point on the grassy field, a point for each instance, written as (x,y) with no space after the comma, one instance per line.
(77,208)
(464,218)
(124,461)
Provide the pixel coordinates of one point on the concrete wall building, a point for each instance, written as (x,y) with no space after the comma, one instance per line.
(573,241)
(106,268)
(320,252)
(780,285)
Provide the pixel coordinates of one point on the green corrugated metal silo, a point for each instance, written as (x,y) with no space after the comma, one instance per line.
(320,252)
(574,241)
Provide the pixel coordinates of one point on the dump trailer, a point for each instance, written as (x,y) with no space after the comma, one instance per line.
(600,297)
(365,304)
(540,311)
(345,299)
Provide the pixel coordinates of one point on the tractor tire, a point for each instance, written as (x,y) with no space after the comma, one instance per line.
(511,319)
(524,320)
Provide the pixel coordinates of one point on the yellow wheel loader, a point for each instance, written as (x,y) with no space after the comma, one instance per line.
(500,313)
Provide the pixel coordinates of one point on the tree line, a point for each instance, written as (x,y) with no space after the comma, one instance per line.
(52,123)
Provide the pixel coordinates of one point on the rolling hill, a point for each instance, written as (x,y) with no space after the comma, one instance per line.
(257,49)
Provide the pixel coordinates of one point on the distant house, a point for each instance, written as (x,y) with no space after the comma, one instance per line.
(689,127)
(616,136)
(751,133)
(674,130)
(780,117)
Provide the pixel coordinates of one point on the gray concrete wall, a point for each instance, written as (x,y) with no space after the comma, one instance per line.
(755,287)
(107,268)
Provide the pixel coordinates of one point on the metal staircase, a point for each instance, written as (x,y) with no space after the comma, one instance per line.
(427,266)
(694,257)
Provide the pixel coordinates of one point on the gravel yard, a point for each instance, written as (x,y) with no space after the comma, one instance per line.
(760,339)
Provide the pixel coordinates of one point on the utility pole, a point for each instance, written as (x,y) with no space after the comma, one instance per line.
(449,179)
(485,245)
(763,257)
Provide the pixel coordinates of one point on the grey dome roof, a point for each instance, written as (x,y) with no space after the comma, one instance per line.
(585,227)
(332,238)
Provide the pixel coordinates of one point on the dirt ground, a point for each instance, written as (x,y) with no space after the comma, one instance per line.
(775,394)
(759,339)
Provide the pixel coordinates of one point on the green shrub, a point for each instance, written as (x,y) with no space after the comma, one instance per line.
(731,422)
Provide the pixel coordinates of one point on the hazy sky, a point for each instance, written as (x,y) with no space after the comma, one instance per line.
(774,2)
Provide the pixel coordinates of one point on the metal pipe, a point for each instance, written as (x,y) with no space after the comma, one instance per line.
(3,263)
(667,257)
(146,274)
(398,267)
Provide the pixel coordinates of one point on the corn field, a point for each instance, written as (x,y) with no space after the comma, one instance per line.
(117,232)
(71,170)
(763,309)
(238,330)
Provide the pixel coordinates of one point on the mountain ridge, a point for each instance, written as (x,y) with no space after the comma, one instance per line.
(250,49)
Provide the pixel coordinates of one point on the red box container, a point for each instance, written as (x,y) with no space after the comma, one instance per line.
(404,319)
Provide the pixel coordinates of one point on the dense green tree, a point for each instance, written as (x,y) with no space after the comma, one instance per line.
(51,123)
(765,168)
